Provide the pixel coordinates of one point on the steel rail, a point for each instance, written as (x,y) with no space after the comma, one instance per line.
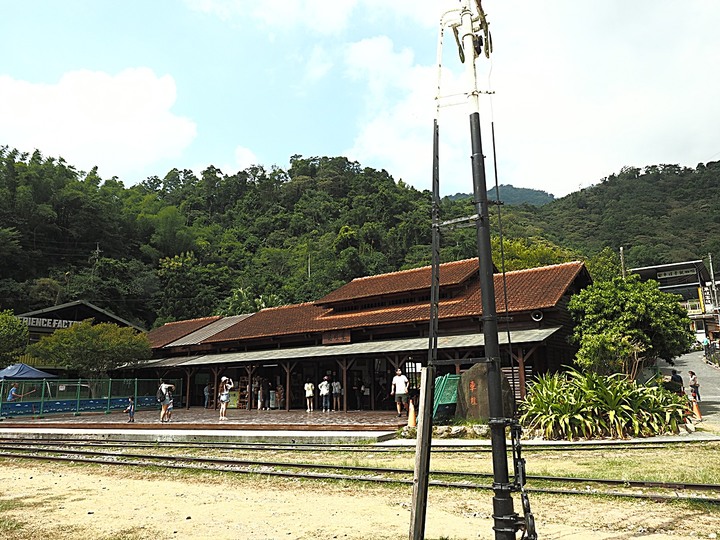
(313,447)
(19,451)
(370,479)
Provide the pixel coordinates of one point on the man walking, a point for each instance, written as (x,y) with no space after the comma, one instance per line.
(400,390)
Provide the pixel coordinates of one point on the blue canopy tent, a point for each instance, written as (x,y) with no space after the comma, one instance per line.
(23,371)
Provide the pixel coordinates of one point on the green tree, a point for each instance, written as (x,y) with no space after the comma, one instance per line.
(605,266)
(92,350)
(13,337)
(242,301)
(623,324)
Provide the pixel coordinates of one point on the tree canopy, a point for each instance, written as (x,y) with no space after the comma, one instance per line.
(178,246)
(625,323)
(13,337)
(92,350)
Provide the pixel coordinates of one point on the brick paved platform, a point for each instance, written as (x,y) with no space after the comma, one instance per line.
(238,419)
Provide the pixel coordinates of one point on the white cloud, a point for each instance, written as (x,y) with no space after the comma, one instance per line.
(121,122)
(317,65)
(574,103)
(244,158)
(327,17)
(395,133)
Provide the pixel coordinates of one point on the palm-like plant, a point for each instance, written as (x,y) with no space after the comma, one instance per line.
(574,404)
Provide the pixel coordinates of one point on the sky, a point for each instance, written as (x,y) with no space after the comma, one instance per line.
(574,90)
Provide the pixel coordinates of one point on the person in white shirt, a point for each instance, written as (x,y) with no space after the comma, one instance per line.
(324,388)
(309,394)
(400,390)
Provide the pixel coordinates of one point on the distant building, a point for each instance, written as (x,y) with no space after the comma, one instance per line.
(692,281)
(43,322)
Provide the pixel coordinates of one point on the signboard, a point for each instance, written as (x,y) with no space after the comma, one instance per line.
(37,322)
(335,337)
(676,273)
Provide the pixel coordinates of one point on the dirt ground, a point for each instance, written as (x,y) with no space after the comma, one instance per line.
(63,501)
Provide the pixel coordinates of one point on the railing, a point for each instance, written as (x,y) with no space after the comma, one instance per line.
(693,307)
(75,396)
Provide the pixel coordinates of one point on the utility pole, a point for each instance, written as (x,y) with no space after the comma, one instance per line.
(504,517)
(473,37)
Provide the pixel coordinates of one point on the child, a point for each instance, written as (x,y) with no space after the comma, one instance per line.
(168,415)
(130,409)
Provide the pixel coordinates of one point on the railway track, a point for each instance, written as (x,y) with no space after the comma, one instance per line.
(324,447)
(636,489)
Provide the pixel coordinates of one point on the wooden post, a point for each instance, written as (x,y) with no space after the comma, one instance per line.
(422,455)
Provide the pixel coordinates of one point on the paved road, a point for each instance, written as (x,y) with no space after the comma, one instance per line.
(708,377)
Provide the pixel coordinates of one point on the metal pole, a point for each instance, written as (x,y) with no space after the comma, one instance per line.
(42,397)
(107,409)
(713,288)
(427,381)
(77,402)
(504,517)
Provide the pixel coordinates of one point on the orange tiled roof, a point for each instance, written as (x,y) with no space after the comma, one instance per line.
(452,273)
(527,290)
(296,318)
(167,333)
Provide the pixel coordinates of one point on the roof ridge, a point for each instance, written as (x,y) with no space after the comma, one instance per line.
(542,268)
(396,272)
(216,317)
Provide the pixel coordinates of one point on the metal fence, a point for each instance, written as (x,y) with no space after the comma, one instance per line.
(75,396)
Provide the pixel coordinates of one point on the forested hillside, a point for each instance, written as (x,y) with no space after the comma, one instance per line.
(184,246)
(512,195)
(659,214)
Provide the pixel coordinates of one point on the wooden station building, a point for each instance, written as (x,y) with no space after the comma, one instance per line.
(361,332)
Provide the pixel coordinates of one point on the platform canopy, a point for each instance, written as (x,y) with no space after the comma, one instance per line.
(23,371)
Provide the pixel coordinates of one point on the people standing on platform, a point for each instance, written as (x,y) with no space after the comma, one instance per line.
(265,389)
(168,413)
(694,384)
(309,395)
(336,394)
(226,385)
(358,389)
(399,389)
(325,391)
(130,409)
(206,393)
(280,396)
(166,390)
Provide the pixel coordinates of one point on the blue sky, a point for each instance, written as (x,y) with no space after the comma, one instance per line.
(138,87)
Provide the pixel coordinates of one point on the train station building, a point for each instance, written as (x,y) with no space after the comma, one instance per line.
(361,332)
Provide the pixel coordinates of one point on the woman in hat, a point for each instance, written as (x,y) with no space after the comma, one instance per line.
(225,385)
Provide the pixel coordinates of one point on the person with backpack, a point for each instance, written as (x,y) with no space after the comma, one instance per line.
(164,397)
(130,409)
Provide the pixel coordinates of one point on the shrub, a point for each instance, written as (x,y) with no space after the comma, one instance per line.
(573,405)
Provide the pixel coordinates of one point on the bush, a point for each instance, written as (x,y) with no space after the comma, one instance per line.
(573,405)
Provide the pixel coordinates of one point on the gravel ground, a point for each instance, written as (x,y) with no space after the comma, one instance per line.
(62,501)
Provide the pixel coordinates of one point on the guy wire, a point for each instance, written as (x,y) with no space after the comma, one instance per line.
(515,378)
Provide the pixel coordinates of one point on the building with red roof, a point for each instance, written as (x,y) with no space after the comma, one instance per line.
(361,332)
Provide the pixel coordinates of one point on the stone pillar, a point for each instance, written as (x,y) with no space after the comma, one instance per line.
(472,394)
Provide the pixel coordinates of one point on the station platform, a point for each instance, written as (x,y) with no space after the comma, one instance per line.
(197,424)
